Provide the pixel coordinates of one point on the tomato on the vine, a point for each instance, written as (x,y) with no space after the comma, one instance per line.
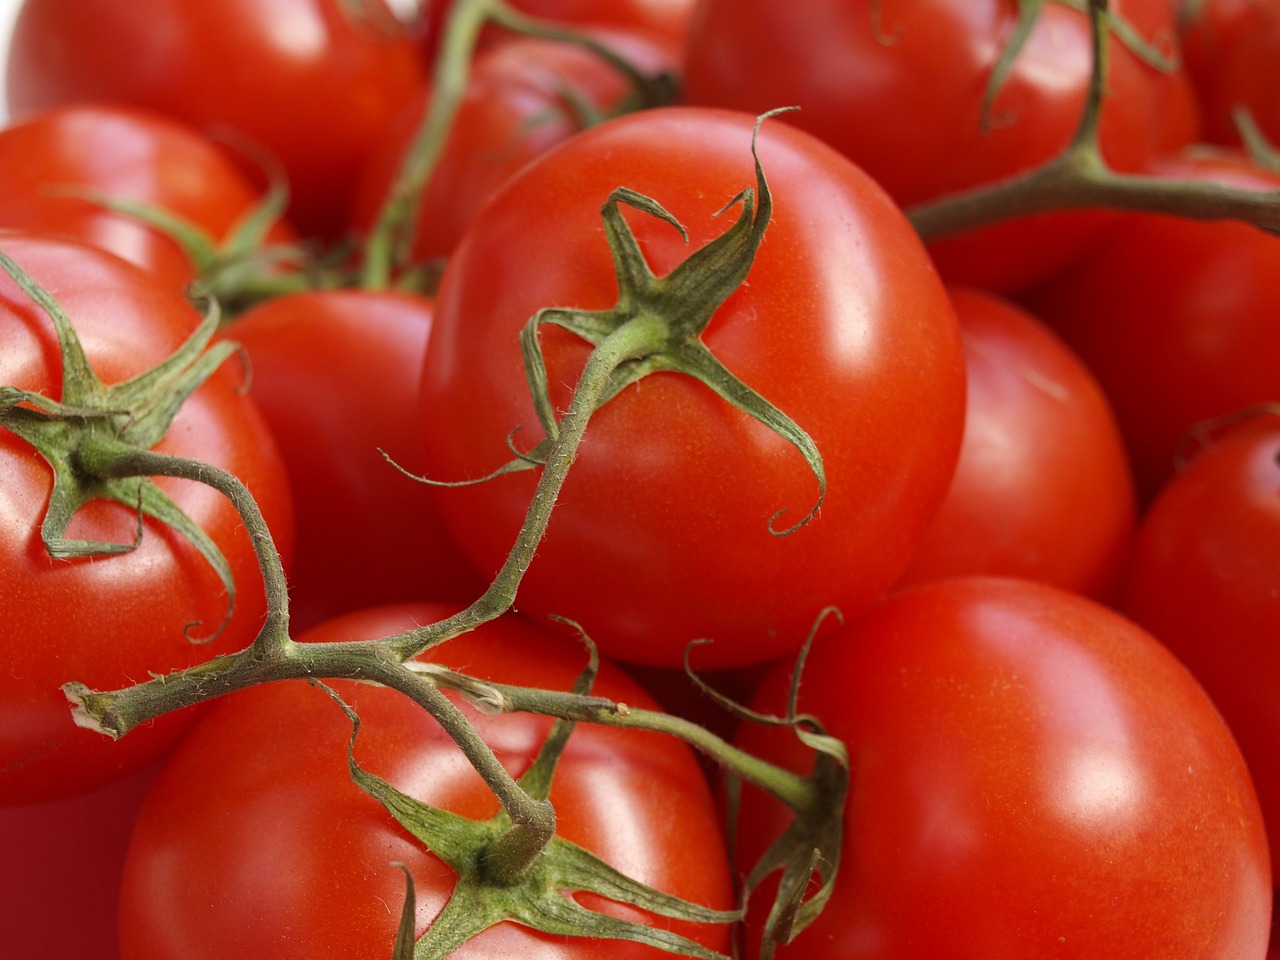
(51,160)
(898,87)
(1034,776)
(255,841)
(1043,487)
(109,620)
(666,529)
(315,82)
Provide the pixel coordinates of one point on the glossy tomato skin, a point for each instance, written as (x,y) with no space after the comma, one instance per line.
(122,153)
(524,95)
(1231,47)
(108,621)
(661,535)
(1204,577)
(282,855)
(897,87)
(1033,776)
(1175,317)
(311,81)
(336,375)
(1043,487)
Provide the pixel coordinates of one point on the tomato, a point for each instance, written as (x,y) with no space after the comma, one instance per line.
(55,850)
(1231,47)
(107,621)
(898,87)
(1175,317)
(121,153)
(665,19)
(1033,776)
(336,375)
(1204,577)
(312,81)
(1042,489)
(523,96)
(662,532)
(281,855)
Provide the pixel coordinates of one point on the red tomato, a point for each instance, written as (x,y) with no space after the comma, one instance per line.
(1034,776)
(281,855)
(668,19)
(524,95)
(127,154)
(856,70)
(107,621)
(1042,489)
(55,851)
(1176,317)
(336,376)
(662,533)
(1204,577)
(1231,50)
(313,81)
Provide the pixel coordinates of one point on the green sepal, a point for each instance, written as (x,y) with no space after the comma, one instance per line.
(543,896)
(677,307)
(97,438)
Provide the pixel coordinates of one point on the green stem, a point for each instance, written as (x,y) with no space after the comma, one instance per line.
(632,340)
(273,639)
(1079,178)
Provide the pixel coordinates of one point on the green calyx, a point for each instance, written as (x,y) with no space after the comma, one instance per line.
(523,873)
(657,323)
(97,439)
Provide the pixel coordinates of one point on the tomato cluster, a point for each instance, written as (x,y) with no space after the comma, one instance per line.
(689,322)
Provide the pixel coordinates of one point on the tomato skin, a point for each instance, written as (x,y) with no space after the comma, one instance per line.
(517,106)
(1204,575)
(661,534)
(1231,46)
(1175,317)
(856,69)
(282,855)
(1033,776)
(304,79)
(1043,487)
(122,153)
(336,375)
(108,621)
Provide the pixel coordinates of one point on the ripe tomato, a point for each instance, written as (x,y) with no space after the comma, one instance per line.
(313,81)
(1034,776)
(280,854)
(121,153)
(107,621)
(1176,318)
(336,376)
(524,95)
(1204,577)
(1231,49)
(662,532)
(897,86)
(1042,489)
